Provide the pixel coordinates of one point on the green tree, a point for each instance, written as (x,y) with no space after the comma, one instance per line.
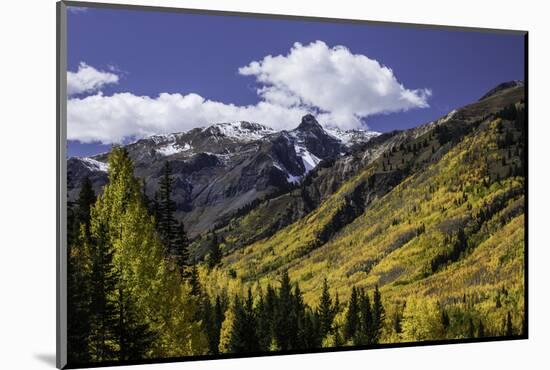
(302,337)
(266,317)
(219,317)
(285,328)
(352,316)
(171,231)
(194,281)
(325,311)
(86,200)
(214,251)
(167,207)
(365,327)
(378,316)
(134,335)
(103,280)
(243,332)
(78,276)
(206,315)
(133,280)
(181,250)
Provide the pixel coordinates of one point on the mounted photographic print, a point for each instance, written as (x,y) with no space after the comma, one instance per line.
(235,185)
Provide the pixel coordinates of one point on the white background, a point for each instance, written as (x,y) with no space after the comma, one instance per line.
(27,182)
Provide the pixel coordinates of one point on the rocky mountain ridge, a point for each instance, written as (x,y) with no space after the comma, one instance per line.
(221,168)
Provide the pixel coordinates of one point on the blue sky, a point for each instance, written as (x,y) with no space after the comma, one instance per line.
(143,54)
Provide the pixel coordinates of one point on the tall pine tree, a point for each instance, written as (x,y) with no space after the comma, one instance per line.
(285,328)
(214,251)
(243,332)
(378,316)
(365,325)
(78,276)
(352,316)
(325,311)
(171,232)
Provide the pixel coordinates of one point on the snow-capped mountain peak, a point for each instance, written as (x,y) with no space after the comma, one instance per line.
(351,137)
(240,131)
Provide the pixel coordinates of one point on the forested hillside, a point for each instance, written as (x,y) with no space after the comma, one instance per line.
(414,235)
(449,234)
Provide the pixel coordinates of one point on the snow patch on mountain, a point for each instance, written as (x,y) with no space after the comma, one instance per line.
(350,137)
(289,178)
(162,138)
(94,165)
(309,160)
(173,148)
(241,130)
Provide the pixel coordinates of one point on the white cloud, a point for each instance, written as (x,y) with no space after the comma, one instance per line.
(348,86)
(112,119)
(88,79)
(341,88)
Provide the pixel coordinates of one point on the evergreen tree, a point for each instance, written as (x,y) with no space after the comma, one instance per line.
(206,315)
(78,276)
(325,311)
(86,199)
(167,207)
(219,317)
(311,333)
(352,316)
(155,209)
(445,320)
(214,254)
(266,315)
(243,332)
(366,318)
(336,306)
(378,316)
(302,327)
(181,251)
(285,328)
(135,337)
(194,281)
(103,313)
(78,305)
(171,231)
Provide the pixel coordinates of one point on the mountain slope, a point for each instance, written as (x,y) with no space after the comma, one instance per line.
(437,215)
(262,219)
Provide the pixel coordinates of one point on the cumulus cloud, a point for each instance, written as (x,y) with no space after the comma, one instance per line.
(88,79)
(112,119)
(348,86)
(340,87)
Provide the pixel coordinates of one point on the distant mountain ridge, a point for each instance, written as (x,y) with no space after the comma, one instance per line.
(221,168)
(503,86)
